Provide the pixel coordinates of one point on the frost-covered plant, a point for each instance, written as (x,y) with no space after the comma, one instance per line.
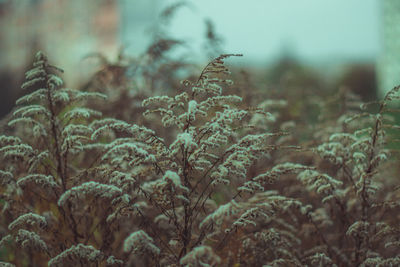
(41,163)
(174,184)
(206,181)
(355,192)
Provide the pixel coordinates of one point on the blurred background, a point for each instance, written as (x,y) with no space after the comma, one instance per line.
(310,43)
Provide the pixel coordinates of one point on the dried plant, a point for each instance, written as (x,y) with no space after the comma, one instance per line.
(207,181)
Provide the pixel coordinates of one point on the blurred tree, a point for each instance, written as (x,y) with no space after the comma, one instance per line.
(361,80)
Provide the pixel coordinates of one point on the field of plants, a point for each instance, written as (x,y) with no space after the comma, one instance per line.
(158,162)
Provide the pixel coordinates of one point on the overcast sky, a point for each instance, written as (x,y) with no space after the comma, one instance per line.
(314,30)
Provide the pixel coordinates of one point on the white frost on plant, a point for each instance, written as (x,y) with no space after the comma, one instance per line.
(214,101)
(185,140)
(321,183)
(221,213)
(30,240)
(192,108)
(248,217)
(30,219)
(5,239)
(6,264)
(76,252)
(167,108)
(38,128)
(392,244)
(105,125)
(320,259)
(359,156)
(133,151)
(90,188)
(332,151)
(80,95)
(220,175)
(358,228)
(111,260)
(20,150)
(200,256)
(157,99)
(61,96)
(9,140)
(39,94)
(5,177)
(122,180)
(31,111)
(251,187)
(241,156)
(140,242)
(80,112)
(175,179)
(273,103)
(55,80)
(279,170)
(44,181)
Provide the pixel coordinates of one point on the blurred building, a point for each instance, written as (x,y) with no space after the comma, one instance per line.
(389,63)
(65,30)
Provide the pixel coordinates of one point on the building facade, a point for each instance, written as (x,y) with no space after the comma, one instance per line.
(65,30)
(389,62)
